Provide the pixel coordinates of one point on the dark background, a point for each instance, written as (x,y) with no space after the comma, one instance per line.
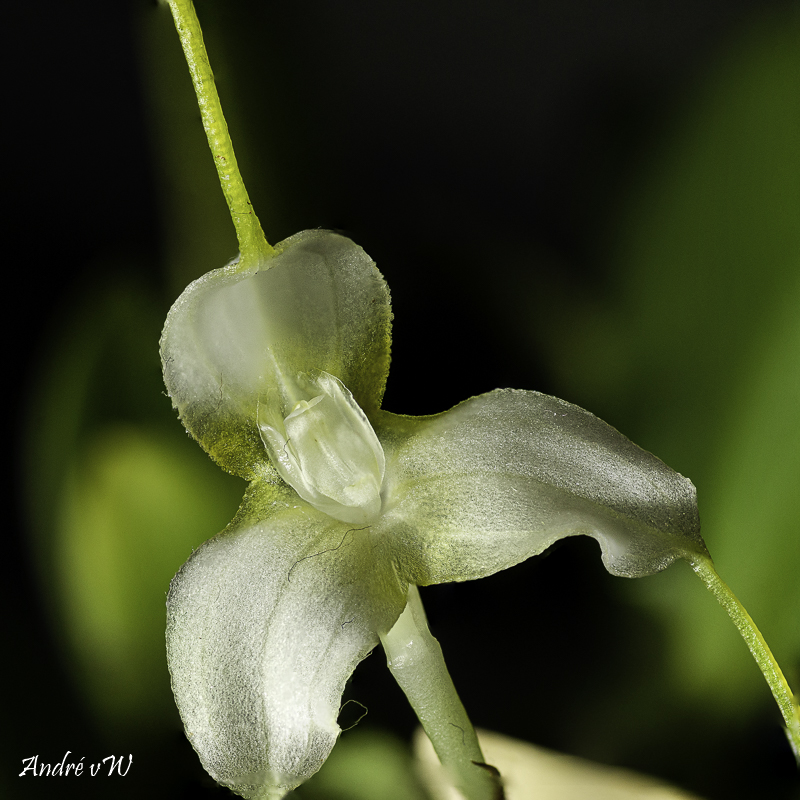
(479,151)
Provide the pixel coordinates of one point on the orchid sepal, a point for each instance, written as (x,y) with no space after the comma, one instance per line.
(238,341)
(502,476)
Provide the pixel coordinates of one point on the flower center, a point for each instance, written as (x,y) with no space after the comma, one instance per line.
(327,451)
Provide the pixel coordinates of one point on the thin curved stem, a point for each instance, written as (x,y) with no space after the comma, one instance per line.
(253,245)
(790,710)
(416,661)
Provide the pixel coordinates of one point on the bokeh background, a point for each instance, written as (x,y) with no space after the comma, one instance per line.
(596,200)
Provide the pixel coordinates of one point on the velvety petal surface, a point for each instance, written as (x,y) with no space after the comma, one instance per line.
(266,621)
(236,342)
(502,476)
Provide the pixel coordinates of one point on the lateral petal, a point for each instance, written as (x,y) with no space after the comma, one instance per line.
(237,340)
(501,477)
(265,623)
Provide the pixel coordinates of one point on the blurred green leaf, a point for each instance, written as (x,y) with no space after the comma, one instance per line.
(702,343)
(119,497)
(133,510)
(365,764)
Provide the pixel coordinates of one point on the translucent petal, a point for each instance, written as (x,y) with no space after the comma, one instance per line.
(235,341)
(266,622)
(502,476)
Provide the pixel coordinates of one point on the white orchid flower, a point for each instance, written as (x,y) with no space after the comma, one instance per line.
(277,365)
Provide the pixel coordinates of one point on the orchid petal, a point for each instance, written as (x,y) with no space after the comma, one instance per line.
(238,343)
(501,477)
(266,622)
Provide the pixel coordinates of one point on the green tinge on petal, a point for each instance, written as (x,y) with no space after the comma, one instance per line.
(236,340)
(501,477)
(266,622)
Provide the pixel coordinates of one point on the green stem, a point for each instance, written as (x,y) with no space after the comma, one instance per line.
(253,245)
(790,710)
(416,661)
